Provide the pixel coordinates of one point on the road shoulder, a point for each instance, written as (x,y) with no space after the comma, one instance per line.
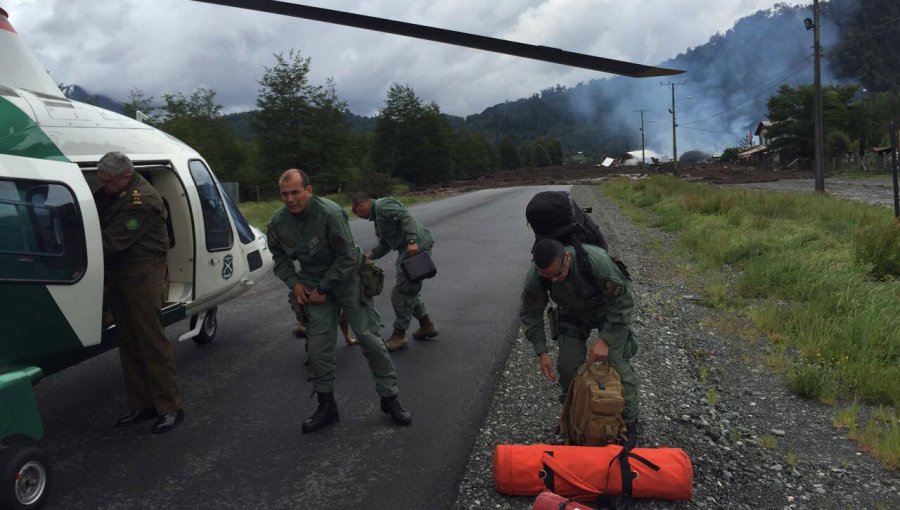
(752,443)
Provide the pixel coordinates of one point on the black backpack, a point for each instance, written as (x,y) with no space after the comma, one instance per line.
(555,215)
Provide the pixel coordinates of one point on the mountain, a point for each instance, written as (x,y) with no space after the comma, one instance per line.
(76,93)
(720,98)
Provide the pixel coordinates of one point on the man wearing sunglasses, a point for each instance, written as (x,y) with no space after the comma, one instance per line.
(604,304)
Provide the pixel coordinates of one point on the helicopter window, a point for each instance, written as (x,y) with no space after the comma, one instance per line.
(245,233)
(41,233)
(215,217)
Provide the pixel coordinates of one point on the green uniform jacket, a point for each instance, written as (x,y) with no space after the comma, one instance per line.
(320,239)
(395,227)
(132,224)
(611,312)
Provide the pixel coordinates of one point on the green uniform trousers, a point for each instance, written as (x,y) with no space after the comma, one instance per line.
(148,364)
(573,352)
(322,332)
(405,297)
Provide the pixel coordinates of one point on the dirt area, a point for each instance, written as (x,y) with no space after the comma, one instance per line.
(877,190)
(575,174)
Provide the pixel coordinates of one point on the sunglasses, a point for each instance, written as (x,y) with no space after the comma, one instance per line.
(562,269)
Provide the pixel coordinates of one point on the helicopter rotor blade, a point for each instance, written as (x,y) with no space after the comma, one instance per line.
(479,42)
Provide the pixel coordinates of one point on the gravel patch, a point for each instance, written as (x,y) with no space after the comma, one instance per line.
(754,446)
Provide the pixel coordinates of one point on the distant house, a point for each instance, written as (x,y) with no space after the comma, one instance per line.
(880,159)
(632,158)
(759,155)
(762,131)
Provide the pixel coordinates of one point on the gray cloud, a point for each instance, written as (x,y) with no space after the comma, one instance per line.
(169,46)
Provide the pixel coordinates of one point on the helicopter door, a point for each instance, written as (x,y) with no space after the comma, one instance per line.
(216,254)
(50,277)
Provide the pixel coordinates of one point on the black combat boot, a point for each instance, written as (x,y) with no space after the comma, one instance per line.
(325,414)
(391,406)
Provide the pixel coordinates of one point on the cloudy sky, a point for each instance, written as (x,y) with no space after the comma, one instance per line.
(168,46)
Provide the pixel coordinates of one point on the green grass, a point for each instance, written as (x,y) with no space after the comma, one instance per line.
(258,214)
(819,271)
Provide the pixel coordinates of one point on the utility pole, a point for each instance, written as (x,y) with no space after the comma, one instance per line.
(819,128)
(674,125)
(643,155)
(895,168)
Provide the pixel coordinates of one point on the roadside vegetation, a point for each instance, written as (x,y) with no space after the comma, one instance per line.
(819,276)
(258,214)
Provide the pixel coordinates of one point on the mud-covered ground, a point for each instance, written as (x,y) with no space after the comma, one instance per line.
(584,174)
(876,190)
(754,445)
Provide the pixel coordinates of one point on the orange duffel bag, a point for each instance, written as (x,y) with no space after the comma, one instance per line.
(586,471)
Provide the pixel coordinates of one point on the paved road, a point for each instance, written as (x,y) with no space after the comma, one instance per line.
(878,191)
(246,394)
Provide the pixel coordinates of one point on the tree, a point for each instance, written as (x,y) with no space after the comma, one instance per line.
(509,156)
(197,121)
(791,132)
(869,46)
(730,154)
(693,157)
(138,102)
(300,125)
(540,156)
(412,139)
(846,114)
(473,155)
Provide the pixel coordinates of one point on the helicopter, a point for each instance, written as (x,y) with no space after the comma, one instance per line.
(51,257)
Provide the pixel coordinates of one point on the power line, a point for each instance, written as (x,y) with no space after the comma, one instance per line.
(780,80)
(710,130)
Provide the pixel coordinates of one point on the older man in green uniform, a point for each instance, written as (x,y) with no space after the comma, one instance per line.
(314,231)
(397,229)
(604,304)
(135,242)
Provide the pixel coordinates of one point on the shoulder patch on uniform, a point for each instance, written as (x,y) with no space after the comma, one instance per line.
(612,289)
(132,224)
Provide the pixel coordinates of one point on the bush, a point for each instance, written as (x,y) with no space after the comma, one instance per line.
(877,242)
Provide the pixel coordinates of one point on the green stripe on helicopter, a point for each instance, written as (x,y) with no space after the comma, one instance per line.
(35,330)
(21,136)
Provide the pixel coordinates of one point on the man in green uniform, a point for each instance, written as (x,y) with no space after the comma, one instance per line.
(135,242)
(604,304)
(396,229)
(315,232)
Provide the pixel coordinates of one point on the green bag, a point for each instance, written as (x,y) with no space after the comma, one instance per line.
(592,412)
(371,277)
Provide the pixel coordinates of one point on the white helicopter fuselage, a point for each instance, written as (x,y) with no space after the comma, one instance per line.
(51,251)
(214,254)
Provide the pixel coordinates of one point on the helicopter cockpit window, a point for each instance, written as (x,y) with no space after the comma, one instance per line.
(245,233)
(215,216)
(41,233)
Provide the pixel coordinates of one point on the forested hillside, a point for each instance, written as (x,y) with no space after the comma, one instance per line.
(733,81)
